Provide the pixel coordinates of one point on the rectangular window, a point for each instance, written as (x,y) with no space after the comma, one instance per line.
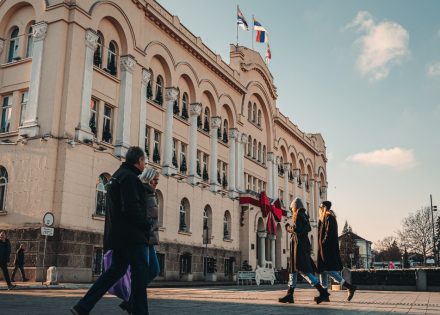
(156,147)
(6,114)
(24,101)
(147,141)
(93,123)
(98,260)
(199,165)
(209,265)
(183,166)
(185,264)
(107,124)
(254,184)
(259,185)
(174,160)
(228,267)
(161,259)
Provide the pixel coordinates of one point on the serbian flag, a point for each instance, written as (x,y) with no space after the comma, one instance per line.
(241,21)
(261,37)
(258,26)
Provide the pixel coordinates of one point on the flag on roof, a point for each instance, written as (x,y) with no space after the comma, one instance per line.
(241,21)
(268,53)
(261,37)
(258,26)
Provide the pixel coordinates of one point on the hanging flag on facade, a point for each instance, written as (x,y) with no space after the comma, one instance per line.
(261,32)
(268,53)
(241,21)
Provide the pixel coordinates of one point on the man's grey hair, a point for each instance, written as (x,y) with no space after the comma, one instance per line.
(297,204)
(148,174)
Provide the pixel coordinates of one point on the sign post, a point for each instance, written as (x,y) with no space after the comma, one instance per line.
(47,230)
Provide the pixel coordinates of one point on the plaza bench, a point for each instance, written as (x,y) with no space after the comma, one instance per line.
(249,276)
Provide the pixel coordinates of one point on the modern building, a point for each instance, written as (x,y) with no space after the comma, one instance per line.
(364,256)
(81,81)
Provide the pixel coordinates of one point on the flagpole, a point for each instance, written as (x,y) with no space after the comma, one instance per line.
(252,39)
(237,26)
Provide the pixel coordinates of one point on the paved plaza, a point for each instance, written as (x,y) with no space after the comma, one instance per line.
(226,300)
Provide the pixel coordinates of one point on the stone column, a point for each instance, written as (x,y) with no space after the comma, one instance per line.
(30,126)
(286,201)
(270,177)
(272,239)
(233,136)
(215,124)
(124,109)
(143,109)
(312,199)
(168,168)
(194,112)
(262,253)
(243,144)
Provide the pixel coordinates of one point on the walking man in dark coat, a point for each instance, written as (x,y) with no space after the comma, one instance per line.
(19,263)
(5,253)
(300,251)
(329,258)
(126,233)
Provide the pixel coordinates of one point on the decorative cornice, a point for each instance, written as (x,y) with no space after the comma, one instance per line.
(233,133)
(39,31)
(171,94)
(128,63)
(216,122)
(195,109)
(270,156)
(91,39)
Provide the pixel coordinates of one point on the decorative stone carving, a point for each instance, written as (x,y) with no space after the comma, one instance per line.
(128,63)
(39,31)
(195,109)
(296,172)
(216,122)
(286,167)
(146,75)
(270,156)
(233,133)
(171,94)
(2,45)
(91,39)
(244,138)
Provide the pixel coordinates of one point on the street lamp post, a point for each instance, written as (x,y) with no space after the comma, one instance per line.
(351,260)
(433,208)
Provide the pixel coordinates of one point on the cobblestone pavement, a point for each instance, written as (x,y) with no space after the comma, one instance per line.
(227,300)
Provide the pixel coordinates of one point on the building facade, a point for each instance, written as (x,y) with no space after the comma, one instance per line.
(81,81)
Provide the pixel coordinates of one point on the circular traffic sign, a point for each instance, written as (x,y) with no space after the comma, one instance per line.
(48,219)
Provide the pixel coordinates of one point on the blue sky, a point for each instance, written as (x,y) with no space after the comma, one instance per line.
(365,74)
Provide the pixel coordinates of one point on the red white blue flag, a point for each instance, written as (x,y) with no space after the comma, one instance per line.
(261,32)
(241,21)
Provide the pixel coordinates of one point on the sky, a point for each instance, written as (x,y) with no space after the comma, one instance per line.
(366,75)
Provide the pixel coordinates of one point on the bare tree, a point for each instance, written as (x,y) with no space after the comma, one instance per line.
(416,233)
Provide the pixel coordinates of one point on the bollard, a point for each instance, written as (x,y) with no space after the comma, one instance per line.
(52,275)
(421,280)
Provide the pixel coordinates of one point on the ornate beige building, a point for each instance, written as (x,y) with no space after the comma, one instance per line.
(81,81)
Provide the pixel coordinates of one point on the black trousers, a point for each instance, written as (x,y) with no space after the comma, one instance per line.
(4,267)
(21,267)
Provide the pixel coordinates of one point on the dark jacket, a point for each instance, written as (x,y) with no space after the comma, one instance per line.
(329,258)
(126,217)
(300,248)
(19,257)
(152,214)
(5,251)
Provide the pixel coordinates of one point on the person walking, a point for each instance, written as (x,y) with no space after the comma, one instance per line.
(300,251)
(19,263)
(329,258)
(126,233)
(5,253)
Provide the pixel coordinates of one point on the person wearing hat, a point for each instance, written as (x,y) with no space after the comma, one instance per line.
(329,258)
(300,254)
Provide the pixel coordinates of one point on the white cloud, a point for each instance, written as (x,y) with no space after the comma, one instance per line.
(396,158)
(382,45)
(433,69)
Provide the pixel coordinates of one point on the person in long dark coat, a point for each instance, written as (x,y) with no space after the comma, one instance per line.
(5,253)
(19,263)
(300,254)
(329,258)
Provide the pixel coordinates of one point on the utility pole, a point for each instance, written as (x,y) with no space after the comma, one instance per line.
(433,208)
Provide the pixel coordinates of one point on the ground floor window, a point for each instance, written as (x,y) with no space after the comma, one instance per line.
(98,260)
(161,258)
(185,263)
(209,265)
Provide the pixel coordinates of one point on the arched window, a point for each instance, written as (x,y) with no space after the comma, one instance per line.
(30,41)
(14,46)
(207,120)
(207,224)
(112,55)
(249,111)
(160,206)
(264,154)
(97,57)
(159,90)
(184,216)
(259,118)
(3,187)
(101,192)
(249,153)
(259,152)
(254,113)
(225,131)
(254,148)
(185,106)
(227,226)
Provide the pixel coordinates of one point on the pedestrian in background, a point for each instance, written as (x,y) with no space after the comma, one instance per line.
(19,263)
(126,233)
(329,258)
(5,253)
(300,254)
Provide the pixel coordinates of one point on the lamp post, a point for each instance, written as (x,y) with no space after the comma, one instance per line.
(351,255)
(433,208)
